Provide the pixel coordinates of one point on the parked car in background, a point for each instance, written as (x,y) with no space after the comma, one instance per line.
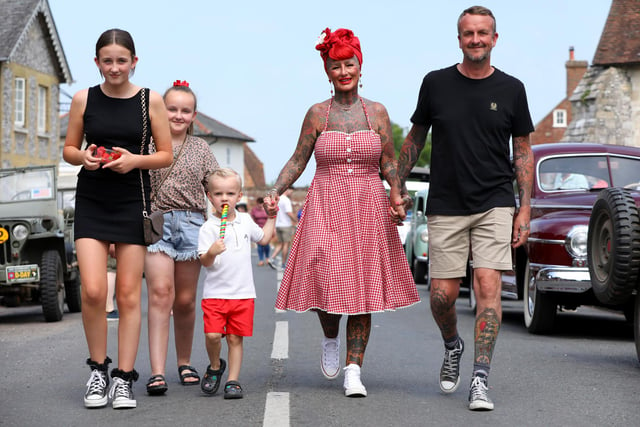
(417,180)
(416,245)
(551,271)
(37,257)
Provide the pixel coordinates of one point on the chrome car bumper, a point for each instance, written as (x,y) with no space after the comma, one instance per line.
(557,278)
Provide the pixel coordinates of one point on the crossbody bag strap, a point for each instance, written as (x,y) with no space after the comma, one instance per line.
(145,114)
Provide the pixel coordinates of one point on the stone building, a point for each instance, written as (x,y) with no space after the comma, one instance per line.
(32,66)
(606,102)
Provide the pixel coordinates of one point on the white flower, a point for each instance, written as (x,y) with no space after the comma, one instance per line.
(321,38)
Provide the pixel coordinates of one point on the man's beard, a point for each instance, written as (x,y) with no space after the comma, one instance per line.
(478,58)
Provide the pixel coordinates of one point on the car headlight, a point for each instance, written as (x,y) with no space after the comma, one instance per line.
(576,241)
(424,235)
(20,232)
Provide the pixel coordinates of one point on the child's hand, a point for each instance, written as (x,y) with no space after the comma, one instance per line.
(271,201)
(218,247)
(272,210)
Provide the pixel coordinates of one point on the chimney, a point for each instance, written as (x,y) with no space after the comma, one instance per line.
(575,71)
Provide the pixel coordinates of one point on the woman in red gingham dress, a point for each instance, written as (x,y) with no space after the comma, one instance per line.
(346,256)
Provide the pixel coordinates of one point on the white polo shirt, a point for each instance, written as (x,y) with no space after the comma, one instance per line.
(231,274)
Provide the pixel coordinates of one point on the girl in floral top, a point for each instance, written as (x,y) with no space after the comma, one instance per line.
(172,266)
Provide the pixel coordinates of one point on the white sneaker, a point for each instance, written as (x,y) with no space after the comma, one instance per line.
(122,394)
(330,359)
(96,395)
(352,385)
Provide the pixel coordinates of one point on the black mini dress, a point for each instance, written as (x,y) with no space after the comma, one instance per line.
(109,204)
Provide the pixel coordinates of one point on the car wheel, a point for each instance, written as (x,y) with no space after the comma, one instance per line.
(419,271)
(73,295)
(539,308)
(51,286)
(636,326)
(613,246)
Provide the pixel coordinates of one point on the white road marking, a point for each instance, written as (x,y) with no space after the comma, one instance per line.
(281,341)
(276,411)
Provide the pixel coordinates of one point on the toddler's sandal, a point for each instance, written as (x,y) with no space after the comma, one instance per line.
(211,380)
(232,390)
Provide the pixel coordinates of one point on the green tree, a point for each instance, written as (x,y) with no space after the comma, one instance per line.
(398,139)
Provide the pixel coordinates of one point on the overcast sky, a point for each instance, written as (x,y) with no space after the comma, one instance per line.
(254,67)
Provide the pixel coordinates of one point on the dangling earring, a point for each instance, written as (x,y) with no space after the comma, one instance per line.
(360,80)
(331,86)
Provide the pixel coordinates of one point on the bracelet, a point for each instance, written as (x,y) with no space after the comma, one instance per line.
(271,217)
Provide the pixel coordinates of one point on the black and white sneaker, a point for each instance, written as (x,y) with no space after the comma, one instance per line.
(450,370)
(122,389)
(478,398)
(96,395)
(122,394)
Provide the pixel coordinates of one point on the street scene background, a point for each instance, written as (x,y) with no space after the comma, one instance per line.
(585,374)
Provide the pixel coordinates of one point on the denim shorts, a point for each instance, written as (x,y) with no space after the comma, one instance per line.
(179,235)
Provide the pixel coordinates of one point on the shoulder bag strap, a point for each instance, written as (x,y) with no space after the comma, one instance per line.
(144,140)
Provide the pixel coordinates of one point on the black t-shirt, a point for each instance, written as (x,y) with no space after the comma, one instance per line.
(472,123)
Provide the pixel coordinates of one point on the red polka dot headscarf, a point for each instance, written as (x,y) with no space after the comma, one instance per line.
(338,45)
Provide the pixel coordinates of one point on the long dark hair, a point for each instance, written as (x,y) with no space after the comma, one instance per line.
(116,36)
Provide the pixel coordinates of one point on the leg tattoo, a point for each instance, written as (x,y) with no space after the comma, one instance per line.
(358,330)
(486,334)
(444,313)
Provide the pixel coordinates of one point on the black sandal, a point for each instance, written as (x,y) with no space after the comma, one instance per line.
(211,380)
(184,375)
(158,389)
(232,390)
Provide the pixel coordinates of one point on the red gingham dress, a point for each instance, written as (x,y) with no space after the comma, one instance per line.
(346,256)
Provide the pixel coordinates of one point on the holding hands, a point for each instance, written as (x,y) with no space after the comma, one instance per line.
(271,202)
(397,209)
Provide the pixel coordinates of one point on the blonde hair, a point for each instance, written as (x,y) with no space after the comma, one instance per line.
(222,173)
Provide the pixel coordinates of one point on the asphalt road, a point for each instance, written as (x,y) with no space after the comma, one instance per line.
(586,374)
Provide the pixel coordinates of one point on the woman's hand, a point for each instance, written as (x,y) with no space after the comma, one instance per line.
(89,161)
(271,201)
(396,209)
(123,164)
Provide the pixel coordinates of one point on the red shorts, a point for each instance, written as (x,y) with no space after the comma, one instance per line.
(228,316)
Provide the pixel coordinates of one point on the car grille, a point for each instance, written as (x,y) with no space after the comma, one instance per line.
(5,248)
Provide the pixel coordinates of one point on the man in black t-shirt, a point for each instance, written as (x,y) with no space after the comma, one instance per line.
(474,110)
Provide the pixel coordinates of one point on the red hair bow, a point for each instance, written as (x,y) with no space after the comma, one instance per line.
(181,83)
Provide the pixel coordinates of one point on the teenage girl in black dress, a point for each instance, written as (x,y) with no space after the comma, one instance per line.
(109,206)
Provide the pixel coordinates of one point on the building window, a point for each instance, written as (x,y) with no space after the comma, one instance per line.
(42,109)
(228,156)
(19,102)
(560,118)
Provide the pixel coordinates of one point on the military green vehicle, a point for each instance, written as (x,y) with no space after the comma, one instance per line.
(37,254)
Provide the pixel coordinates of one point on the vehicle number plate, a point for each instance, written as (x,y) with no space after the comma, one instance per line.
(23,273)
